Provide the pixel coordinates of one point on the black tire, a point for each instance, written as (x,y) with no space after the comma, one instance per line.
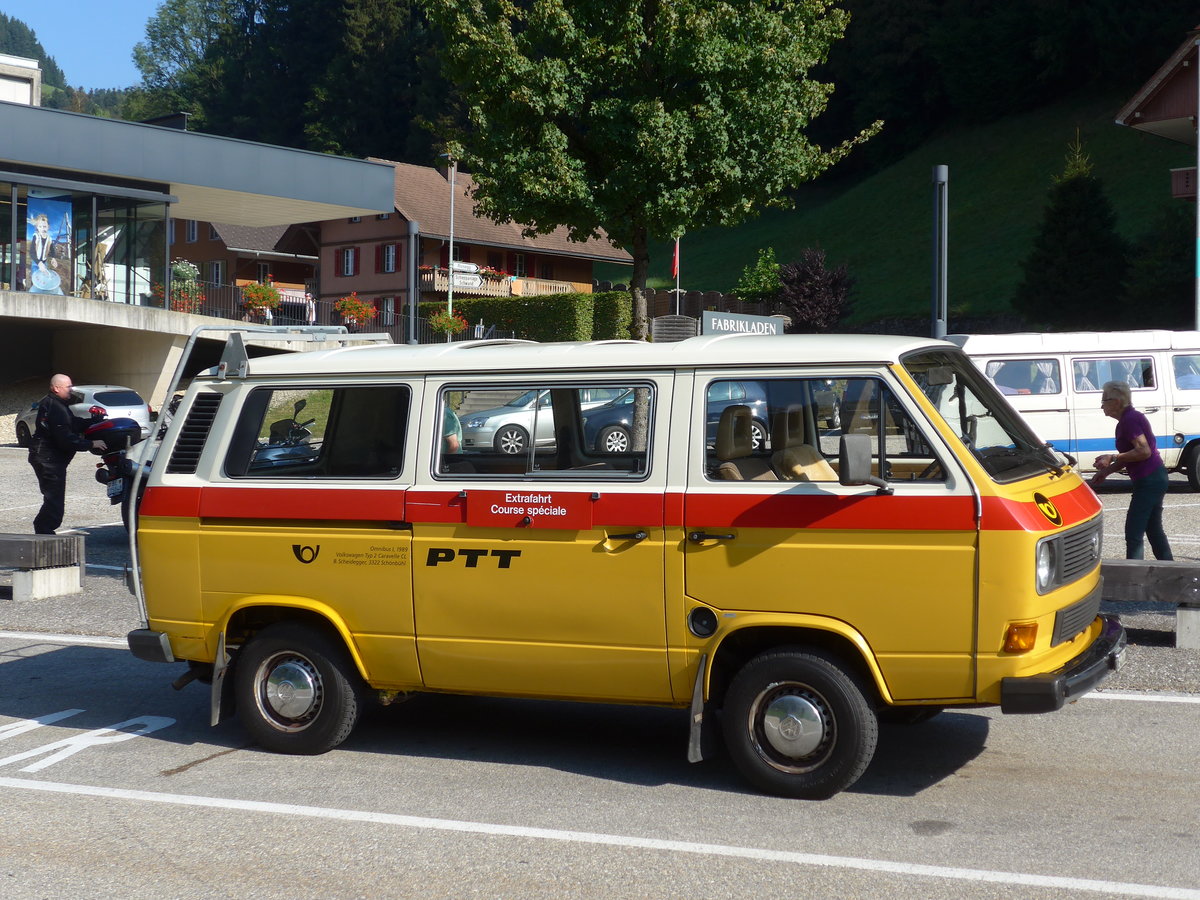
(297,690)
(758,436)
(23,437)
(797,724)
(613,439)
(511,439)
(1193,468)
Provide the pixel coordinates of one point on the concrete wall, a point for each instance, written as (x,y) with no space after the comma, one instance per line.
(96,342)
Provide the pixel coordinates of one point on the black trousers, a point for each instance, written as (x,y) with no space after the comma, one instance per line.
(52,482)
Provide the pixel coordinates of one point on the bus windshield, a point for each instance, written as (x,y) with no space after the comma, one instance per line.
(977,412)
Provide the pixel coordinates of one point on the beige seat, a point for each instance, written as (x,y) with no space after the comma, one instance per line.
(794,459)
(735,448)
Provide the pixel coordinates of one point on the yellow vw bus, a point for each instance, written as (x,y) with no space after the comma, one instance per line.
(693,532)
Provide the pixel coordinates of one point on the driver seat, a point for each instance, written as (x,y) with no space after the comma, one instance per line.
(793,458)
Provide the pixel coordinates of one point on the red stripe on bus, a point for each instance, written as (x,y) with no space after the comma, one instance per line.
(336,504)
(1073,506)
(830,511)
(825,511)
(178,502)
(341,504)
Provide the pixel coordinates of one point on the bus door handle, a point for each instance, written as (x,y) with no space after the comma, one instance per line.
(1182,408)
(1151,409)
(630,536)
(699,537)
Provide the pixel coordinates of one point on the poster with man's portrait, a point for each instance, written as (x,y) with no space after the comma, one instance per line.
(48,244)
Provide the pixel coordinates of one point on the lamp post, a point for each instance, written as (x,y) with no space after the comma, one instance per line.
(450,259)
(941,181)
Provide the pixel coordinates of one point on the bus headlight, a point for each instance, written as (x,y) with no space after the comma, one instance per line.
(1046,566)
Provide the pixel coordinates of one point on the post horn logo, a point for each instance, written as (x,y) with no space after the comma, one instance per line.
(1048,509)
(305,554)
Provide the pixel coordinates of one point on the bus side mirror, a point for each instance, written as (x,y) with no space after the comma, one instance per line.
(854,463)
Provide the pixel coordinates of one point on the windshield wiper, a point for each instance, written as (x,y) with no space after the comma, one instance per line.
(1033,455)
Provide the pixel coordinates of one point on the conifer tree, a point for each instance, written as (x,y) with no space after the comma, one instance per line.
(1075,276)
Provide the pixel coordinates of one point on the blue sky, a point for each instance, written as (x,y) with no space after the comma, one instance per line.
(91,42)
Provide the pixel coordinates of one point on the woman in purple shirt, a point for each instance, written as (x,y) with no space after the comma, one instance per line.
(1137,454)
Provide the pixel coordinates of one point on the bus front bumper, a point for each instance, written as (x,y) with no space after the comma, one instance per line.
(1049,691)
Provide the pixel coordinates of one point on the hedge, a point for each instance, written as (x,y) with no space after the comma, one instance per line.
(550,317)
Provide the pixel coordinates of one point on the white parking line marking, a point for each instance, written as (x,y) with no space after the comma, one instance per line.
(93,639)
(1142,697)
(615,840)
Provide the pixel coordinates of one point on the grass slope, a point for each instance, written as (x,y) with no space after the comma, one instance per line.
(881,227)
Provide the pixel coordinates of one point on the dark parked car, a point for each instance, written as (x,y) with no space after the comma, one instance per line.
(607,428)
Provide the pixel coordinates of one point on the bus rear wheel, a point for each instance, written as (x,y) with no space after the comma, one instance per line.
(297,690)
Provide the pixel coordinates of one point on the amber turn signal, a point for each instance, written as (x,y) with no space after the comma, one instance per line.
(1020,637)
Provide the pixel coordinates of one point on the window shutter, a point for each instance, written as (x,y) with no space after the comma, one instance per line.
(378,258)
(445,256)
(355,260)
(465,256)
(337,263)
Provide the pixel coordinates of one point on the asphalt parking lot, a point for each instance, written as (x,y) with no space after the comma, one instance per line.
(105,607)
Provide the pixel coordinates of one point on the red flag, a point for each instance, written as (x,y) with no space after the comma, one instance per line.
(675,261)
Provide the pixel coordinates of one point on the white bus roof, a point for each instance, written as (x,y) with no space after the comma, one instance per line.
(508,356)
(1074,342)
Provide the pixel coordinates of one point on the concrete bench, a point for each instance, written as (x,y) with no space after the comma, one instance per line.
(1145,580)
(45,565)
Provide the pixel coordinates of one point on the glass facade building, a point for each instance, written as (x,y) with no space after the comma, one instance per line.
(80,240)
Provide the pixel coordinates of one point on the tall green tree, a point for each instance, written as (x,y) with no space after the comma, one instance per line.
(644,118)
(178,36)
(1075,275)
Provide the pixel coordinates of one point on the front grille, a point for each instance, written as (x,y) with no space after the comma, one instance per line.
(1079,551)
(1073,619)
(186,454)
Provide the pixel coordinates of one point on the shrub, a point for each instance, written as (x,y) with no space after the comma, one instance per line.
(256,296)
(352,309)
(447,323)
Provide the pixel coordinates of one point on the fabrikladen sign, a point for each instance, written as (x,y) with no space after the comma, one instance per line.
(736,323)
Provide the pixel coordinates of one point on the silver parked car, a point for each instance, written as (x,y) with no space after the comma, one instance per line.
(506,429)
(109,401)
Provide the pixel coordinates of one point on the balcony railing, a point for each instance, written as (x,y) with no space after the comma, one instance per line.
(437,281)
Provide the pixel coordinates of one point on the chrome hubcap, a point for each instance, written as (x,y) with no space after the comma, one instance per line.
(792,727)
(290,691)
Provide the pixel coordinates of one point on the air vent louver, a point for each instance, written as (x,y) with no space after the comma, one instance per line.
(190,443)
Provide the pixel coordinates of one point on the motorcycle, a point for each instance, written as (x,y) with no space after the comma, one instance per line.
(115,470)
(288,443)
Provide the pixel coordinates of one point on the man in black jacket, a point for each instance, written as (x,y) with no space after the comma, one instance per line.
(55,442)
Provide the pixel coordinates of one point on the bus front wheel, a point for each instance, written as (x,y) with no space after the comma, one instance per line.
(797,723)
